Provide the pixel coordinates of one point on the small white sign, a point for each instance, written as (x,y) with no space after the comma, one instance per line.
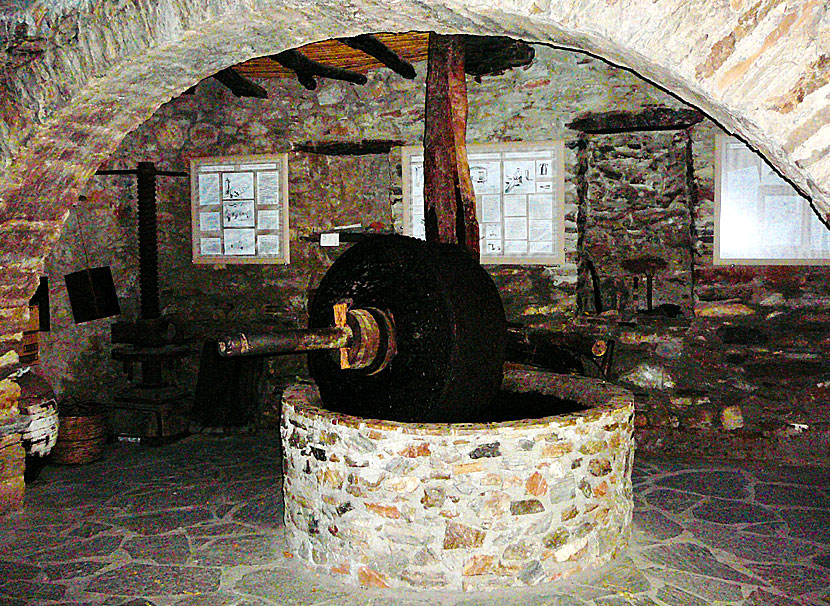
(210,189)
(268,245)
(268,184)
(268,219)
(493,247)
(515,206)
(236,186)
(490,208)
(539,231)
(541,206)
(515,247)
(330,239)
(515,228)
(238,213)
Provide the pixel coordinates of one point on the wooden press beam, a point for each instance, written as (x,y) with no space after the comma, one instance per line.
(650,118)
(449,200)
(306,69)
(238,84)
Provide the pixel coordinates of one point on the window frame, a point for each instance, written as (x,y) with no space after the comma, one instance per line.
(800,254)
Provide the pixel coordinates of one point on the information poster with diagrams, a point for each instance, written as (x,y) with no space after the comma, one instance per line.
(519,189)
(240,209)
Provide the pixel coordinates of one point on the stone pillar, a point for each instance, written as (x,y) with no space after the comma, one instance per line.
(12,456)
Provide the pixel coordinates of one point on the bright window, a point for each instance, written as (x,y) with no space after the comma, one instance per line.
(760,218)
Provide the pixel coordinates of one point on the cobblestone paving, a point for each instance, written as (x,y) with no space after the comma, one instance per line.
(199,522)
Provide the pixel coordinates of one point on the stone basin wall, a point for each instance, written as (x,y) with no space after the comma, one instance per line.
(460,506)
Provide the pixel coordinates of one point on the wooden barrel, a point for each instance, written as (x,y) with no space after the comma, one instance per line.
(80,439)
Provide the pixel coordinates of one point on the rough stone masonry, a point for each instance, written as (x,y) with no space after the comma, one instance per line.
(463,506)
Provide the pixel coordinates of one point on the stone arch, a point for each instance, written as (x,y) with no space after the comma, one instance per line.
(759,67)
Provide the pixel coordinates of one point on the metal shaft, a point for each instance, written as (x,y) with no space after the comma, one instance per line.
(288,341)
(148,242)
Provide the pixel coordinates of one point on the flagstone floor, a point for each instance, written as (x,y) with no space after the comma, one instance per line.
(199,522)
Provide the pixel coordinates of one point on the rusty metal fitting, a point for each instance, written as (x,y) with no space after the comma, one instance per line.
(365,339)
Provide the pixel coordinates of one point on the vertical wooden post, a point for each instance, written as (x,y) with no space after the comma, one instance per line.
(449,200)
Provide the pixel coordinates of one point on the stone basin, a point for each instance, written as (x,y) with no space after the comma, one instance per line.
(460,506)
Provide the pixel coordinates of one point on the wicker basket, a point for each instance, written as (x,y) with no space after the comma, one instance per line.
(80,439)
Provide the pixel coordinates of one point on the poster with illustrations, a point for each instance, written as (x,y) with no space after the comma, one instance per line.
(519,189)
(240,209)
(238,213)
(240,241)
(237,186)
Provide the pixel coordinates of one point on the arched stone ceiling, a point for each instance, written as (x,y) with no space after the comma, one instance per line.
(83,74)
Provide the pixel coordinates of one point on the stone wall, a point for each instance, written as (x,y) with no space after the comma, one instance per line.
(11,450)
(706,382)
(466,506)
(324,191)
(637,222)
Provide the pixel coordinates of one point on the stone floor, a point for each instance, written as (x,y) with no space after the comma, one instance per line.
(199,522)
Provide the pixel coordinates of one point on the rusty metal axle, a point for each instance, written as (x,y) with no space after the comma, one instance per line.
(287,341)
(365,338)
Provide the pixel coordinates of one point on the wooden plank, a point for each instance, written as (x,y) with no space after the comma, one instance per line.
(653,118)
(411,47)
(306,69)
(377,49)
(448,191)
(348,148)
(239,85)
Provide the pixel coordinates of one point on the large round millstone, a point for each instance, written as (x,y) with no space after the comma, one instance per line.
(449,325)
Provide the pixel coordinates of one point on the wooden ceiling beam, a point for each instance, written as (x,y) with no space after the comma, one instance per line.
(494,55)
(373,47)
(306,69)
(239,85)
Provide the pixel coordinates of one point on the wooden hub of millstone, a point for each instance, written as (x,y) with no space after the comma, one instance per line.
(419,326)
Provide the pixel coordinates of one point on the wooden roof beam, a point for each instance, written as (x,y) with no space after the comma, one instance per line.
(373,47)
(239,85)
(493,55)
(306,69)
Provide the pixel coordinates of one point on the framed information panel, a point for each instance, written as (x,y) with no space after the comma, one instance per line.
(519,189)
(240,209)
